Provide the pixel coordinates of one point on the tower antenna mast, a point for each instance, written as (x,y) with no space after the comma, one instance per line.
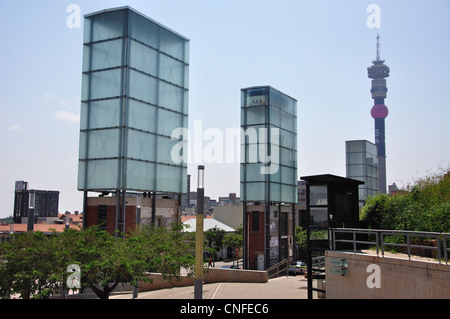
(378,47)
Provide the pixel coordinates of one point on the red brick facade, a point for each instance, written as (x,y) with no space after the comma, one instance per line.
(130,218)
(256,237)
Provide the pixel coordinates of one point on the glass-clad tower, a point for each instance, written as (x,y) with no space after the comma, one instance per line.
(362,164)
(268,175)
(268,145)
(134,94)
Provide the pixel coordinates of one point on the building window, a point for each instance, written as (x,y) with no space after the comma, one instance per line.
(255,221)
(102,216)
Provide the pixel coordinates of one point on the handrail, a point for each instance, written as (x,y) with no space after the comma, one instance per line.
(380,242)
(277,267)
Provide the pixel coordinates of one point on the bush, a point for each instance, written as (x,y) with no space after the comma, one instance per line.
(424,206)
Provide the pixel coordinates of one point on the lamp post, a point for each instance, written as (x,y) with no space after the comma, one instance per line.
(138,227)
(31,207)
(198,282)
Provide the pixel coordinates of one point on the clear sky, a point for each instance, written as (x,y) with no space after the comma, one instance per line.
(315,51)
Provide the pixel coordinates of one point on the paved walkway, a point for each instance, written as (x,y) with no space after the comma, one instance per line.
(292,287)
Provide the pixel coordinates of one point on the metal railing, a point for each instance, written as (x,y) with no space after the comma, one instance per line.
(380,240)
(275,270)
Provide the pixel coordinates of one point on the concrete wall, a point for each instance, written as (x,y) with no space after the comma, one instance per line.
(211,275)
(397,278)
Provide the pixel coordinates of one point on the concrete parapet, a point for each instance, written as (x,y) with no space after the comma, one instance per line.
(372,277)
(211,275)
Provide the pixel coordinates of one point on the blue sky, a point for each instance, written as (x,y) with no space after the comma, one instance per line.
(314,51)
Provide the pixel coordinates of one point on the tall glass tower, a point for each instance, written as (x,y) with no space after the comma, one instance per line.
(134,94)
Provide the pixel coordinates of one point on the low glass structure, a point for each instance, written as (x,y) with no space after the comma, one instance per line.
(134,94)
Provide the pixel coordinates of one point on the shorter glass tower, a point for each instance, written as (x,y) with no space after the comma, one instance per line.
(268,146)
(362,164)
(268,175)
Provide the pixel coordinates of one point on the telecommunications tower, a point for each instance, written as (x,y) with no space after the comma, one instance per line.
(378,72)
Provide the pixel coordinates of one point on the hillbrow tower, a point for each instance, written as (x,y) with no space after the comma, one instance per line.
(378,72)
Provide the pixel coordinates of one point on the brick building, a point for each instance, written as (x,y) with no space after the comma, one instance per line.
(102,211)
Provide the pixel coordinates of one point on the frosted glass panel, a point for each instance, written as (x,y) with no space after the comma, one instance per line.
(169,178)
(288,194)
(107,26)
(171,97)
(143,58)
(171,44)
(355,158)
(101,114)
(287,139)
(356,170)
(275,192)
(104,84)
(168,122)
(143,87)
(256,115)
(140,175)
(288,122)
(255,191)
(141,145)
(276,176)
(105,54)
(254,173)
(144,30)
(165,146)
(99,173)
(103,143)
(142,116)
(275,117)
(171,70)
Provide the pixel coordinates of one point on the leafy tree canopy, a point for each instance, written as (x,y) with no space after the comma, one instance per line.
(422,206)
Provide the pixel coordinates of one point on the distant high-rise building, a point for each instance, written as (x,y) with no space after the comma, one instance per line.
(362,164)
(378,72)
(46,203)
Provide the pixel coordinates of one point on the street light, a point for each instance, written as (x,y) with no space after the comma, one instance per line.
(201,176)
(138,227)
(198,282)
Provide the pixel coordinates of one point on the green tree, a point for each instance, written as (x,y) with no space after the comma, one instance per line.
(423,206)
(28,266)
(214,240)
(107,261)
(300,237)
(34,265)
(236,239)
